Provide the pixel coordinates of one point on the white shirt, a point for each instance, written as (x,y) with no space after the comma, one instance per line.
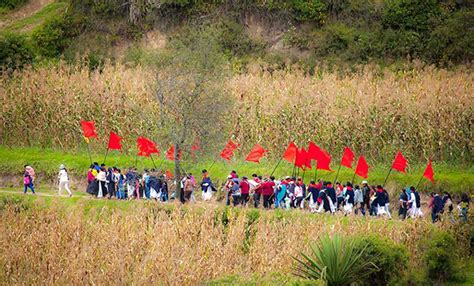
(63,176)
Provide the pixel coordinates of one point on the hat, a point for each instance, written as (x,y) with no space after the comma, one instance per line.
(62,167)
(229,177)
(364,182)
(287,177)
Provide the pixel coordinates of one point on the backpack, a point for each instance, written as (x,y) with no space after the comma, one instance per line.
(26,180)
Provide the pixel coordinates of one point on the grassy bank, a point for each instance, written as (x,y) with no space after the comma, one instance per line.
(454,178)
(72,240)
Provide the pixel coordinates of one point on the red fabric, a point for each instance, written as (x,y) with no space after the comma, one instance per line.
(313,151)
(347,158)
(170,154)
(324,160)
(195,148)
(267,188)
(400,163)
(88,129)
(228,151)
(290,152)
(256,154)
(300,160)
(362,168)
(169,174)
(244,187)
(146,147)
(114,142)
(429,172)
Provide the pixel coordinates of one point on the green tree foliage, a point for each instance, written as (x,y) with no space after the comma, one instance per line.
(417,15)
(11,4)
(15,52)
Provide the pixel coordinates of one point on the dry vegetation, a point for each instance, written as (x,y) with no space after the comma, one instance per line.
(424,112)
(179,246)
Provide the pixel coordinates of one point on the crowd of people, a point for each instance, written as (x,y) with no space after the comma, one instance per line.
(285,193)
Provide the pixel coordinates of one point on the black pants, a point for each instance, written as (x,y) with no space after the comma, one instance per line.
(236,200)
(267,202)
(244,199)
(256,199)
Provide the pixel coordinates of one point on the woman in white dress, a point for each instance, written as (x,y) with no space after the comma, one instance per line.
(63,180)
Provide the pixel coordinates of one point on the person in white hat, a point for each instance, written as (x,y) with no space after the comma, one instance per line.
(63,180)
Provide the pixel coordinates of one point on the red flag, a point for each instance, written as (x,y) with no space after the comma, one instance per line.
(114,142)
(314,152)
(301,157)
(429,172)
(256,154)
(347,158)
(195,148)
(290,152)
(170,154)
(88,129)
(169,175)
(146,147)
(324,160)
(362,168)
(400,163)
(228,151)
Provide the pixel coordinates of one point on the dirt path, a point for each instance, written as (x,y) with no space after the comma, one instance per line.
(36,194)
(30,8)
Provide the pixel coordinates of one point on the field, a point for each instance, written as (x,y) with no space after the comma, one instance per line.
(81,240)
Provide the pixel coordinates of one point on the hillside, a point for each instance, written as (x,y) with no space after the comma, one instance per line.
(308,32)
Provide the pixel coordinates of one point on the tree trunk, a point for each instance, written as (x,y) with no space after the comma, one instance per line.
(177,172)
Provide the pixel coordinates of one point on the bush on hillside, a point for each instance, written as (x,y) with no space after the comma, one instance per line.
(452,41)
(418,15)
(15,52)
(390,258)
(441,258)
(309,10)
(54,36)
(12,4)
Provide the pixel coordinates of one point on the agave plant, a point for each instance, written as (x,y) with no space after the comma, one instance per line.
(336,260)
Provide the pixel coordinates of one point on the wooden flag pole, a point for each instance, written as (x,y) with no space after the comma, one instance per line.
(212,165)
(274,169)
(106,153)
(315,171)
(419,182)
(390,171)
(337,174)
(353,177)
(151,157)
(89,151)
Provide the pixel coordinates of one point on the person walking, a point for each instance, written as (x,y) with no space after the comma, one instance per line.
(206,186)
(436,206)
(102,178)
(63,180)
(358,201)
(28,181)
(244,190)
(403,205)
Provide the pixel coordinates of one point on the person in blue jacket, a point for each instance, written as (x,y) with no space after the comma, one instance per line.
(436,207)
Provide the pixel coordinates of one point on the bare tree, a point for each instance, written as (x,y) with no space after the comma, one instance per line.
(191,94)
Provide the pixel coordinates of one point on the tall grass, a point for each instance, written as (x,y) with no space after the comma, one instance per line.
(425,112)
(149,244)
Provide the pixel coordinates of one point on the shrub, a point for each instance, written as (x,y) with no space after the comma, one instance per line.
(337,260)
(390,258)
(441,258)
(450,41)
(15,52)
(418,15)
(55,35)
(308,10)
(11,4)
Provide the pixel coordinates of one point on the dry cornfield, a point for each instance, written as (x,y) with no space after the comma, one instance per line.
(425,112)
(173,246)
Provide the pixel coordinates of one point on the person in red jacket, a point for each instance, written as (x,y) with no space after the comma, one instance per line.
(268,191)
(244,190)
